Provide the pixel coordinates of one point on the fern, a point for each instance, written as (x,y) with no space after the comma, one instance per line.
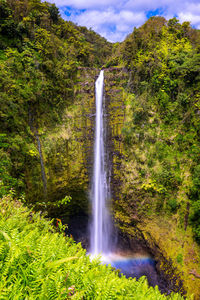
(38,263)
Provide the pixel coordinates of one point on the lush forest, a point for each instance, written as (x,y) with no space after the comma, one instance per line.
(40,55)
(160,179)
(48,67)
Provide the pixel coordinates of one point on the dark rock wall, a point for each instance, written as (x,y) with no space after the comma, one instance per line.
(67,153)
(115,84)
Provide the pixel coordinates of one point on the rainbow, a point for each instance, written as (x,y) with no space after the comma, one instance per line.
(129,265)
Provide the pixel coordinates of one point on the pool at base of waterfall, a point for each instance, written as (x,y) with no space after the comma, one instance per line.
(131,259)
(136,266)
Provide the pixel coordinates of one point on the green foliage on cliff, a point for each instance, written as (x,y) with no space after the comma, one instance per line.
(40,55)
(161,133)
(37,262)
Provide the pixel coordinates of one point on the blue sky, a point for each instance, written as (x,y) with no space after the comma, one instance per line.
(115,19)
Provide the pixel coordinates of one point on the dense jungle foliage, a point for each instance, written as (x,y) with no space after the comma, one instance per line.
(162,130)
(40,54)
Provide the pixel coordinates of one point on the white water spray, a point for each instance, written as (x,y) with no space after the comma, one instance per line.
(100,227)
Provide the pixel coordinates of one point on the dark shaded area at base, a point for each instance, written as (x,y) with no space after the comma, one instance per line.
(147,266)
(139,267)
(78,228)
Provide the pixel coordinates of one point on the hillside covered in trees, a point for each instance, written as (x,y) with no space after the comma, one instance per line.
(160,179)
(40,55)
(48,67)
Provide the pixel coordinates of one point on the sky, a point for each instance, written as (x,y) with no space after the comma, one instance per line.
(115,19)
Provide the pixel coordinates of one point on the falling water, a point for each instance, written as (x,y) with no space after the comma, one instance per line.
(100,227)
(102,233)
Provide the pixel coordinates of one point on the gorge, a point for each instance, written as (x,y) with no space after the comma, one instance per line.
(104,237)
(151,109)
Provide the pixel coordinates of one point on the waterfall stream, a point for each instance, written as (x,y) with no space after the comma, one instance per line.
(101,231)
(100,195)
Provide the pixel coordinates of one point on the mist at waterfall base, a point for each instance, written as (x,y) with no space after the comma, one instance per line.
(102,233)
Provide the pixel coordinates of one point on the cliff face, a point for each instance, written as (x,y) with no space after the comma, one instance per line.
(67,151)
(115,82)
(140,211)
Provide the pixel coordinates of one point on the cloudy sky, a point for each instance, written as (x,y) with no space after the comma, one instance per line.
(114,19)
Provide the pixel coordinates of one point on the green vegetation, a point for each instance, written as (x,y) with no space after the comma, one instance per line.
(37,262)
(47,72)
(40,57)
(161,131)
(159,171)
(158,143)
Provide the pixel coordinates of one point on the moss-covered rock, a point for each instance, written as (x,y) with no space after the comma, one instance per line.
(67,152)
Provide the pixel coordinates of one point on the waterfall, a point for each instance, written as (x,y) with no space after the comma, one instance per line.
(100,195)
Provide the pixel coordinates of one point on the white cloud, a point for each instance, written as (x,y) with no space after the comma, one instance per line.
(114,19)
(109,23)
(113,36)
(143,4)
(122,27)
(109,16)
(190,13)
(188,16)
(85,4)
(193,8)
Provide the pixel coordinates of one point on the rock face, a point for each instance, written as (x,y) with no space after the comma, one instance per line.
(67,149)
(67,152)
(115,82)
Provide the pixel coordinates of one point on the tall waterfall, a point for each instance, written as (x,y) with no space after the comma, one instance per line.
(100,227)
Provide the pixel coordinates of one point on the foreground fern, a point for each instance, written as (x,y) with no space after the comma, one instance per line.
(36,262)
